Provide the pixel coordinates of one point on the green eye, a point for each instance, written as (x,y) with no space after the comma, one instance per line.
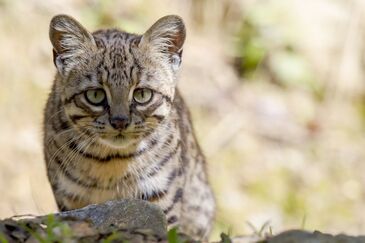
(95,96)
(142,96)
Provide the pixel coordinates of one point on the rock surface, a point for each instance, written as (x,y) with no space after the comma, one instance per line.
(114,221)
(301,236)
(132,221)
(126,214)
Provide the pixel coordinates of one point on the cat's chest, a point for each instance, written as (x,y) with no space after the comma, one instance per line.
(92,174)
(132,178)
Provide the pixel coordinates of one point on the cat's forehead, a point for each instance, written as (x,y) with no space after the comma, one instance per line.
(111,38)
(116,54)
(116,46)
(123,63)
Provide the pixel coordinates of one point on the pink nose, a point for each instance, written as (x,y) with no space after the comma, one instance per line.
(119,122)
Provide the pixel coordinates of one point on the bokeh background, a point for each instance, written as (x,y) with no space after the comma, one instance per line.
(276,89)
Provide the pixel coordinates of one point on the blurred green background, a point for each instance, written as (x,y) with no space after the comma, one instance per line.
(276,89)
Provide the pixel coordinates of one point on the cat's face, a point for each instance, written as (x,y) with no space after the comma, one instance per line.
(117,87)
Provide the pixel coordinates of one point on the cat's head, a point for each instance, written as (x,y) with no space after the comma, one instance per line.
(114,85)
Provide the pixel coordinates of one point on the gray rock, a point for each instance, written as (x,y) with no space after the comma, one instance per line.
(300,236)
(126,213)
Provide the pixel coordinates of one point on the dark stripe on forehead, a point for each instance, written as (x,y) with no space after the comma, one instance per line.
(124,56)
(99,71)
(125,75)
(130,49)
(131,74)
(123,53)
(135,60)
(117,60)
(100,43)
(107,71)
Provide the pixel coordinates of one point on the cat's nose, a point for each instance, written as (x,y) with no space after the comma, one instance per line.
(119,122)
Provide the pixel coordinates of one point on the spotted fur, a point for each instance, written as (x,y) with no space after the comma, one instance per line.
(121,148)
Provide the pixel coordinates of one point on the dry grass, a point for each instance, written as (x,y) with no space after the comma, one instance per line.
(277,152)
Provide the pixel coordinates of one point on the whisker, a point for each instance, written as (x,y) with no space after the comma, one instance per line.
(54,115)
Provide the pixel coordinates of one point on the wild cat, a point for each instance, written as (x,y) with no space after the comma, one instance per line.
(116,126)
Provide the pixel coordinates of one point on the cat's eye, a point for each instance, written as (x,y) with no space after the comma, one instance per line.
(95,96)
(142,96)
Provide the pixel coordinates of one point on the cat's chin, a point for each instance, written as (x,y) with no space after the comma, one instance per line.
(117,143)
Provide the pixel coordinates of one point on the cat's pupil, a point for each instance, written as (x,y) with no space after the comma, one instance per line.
(142,95)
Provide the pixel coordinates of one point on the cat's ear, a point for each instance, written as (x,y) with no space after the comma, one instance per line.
(166,36)
(72,43)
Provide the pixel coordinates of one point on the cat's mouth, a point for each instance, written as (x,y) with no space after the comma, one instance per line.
(119,136)
(118,141)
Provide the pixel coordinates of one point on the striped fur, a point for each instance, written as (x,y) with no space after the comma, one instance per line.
(155,156)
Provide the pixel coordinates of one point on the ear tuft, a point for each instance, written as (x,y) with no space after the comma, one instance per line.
(71,42)
(166,35)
